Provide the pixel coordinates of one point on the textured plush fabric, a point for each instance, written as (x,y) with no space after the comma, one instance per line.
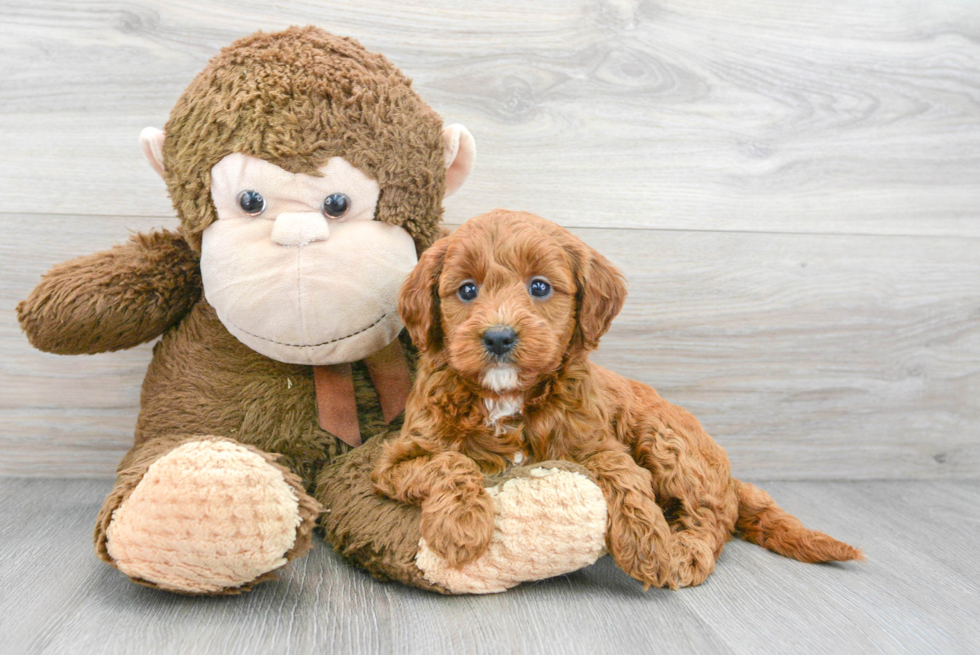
(377,533)
(460,156)
(151,143)
(550,521)
(115,299)
(166,505)
(354,105)
(209,515)
(202,380)
(291,192)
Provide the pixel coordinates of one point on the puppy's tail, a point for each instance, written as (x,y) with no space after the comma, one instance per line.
(763,522)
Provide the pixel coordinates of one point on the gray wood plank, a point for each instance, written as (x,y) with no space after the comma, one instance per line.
(903,599)
(789,117)
(806,356)
(320,604)
(47,563)
(80,409)
(57,597)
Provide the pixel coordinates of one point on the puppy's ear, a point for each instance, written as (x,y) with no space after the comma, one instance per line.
(418,301)
(601,294)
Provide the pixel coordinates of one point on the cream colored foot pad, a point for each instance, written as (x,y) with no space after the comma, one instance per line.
(551,523)
(209,515)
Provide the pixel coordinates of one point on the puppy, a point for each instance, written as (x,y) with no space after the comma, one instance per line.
(504,313)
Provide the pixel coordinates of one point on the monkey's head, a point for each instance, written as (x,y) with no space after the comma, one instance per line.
(309,175)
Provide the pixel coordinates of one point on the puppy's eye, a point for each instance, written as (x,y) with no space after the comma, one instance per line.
(539,288)
(336,205)
(251,202)
(467,291)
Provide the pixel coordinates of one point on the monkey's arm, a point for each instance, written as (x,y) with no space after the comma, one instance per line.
(549,519)
(115,299)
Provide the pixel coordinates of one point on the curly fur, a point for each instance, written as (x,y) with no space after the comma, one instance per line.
(672,501)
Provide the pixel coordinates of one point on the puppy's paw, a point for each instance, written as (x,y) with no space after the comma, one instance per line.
(694,559)
(459,532)
(650,573)
(549,520)
(641,548)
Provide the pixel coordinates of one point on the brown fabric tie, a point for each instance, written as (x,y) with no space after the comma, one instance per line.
(335,401)
(389,374)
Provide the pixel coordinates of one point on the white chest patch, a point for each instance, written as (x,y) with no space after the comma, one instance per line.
(501,379)
(502,407)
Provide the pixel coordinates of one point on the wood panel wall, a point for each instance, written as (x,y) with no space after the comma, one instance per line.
(791,187)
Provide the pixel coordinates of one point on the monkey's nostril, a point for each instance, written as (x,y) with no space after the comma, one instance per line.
(499,340)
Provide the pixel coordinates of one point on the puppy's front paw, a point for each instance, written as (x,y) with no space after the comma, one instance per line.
(460,531)
(549,520)
(640,546)
(694,559)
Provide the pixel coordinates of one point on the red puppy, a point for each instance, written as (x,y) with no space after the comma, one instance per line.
(504,313)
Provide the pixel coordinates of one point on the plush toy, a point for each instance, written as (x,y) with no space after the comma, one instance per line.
(307,176)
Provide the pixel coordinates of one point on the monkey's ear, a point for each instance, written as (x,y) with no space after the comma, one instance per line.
(459,149)
(418,301)
(151,142)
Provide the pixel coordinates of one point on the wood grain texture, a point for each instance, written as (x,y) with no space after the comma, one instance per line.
(788,116)
(830,356)
(918,591)
(791,188)
(808,357)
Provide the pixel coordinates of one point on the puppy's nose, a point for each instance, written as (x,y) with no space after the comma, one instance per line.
(300,228)
(499,340)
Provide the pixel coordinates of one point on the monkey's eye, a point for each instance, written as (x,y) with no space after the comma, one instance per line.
(336,205)
(251,202)
(539,288)
(467,291)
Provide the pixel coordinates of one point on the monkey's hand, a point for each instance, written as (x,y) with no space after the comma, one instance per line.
(115,299)
(548,519)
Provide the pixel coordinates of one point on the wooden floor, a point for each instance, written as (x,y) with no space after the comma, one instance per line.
(918,591)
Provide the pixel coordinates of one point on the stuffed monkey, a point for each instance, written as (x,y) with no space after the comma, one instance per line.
(307,176)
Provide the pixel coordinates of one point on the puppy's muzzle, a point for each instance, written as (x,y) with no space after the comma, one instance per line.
(499,340)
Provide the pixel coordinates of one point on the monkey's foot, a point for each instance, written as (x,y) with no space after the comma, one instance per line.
(210,516)
(550,519)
